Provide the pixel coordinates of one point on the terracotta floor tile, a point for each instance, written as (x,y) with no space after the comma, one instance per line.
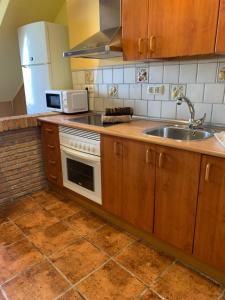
(16,258)
(40,282)
(143,261)
(181,283)
(3,219)
(71,295)
(54,238)
(45,198)
(9,233)
(85,222)
(36,221)
(110,239)
(21,207)
(111,282)
(78,260)
(149,295)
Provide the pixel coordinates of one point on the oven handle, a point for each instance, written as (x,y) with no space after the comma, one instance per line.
(81,155)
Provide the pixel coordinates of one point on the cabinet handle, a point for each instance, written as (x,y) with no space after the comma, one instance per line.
(118,148)
(152,44)
(52,162)
(53,177)
(49,130)
(147,156)
(140,45)
(160,160)
(207,172)
(51,147)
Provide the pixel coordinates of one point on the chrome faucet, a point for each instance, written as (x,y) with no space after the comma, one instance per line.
(180,98)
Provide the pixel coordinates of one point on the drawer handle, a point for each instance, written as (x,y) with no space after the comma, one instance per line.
(147,156)
(49,130)
(161,160)
(52,162)
(118,148)
(207,172)
(51,147)
(152,43)
(53,177)
(140,45)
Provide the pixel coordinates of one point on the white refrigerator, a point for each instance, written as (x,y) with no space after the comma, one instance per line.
(41,52)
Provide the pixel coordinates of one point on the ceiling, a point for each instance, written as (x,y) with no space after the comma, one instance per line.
(13,14)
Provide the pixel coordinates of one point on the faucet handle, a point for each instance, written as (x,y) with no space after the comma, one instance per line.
(201,121)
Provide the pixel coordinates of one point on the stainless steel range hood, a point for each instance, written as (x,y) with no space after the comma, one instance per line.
(107,42)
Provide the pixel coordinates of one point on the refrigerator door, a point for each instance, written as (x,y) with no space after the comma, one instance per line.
(34,44)
(37,79)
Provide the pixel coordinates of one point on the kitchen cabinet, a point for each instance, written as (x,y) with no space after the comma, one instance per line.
(128,172)
(209,242)
(220,40)
(51,153)
(175,28)
(176,193)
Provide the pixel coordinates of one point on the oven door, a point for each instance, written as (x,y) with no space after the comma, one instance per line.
(82,173)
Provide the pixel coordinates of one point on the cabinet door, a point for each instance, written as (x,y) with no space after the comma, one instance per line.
(177,180)
(209,243)
(112,168)
(182,28)
(220,39)
(138,184)
(134,29)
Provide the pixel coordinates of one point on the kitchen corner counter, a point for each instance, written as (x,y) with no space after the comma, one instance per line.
(134,130)
(21,122)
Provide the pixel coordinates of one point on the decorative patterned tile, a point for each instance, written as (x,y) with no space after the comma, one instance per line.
(16,258)
(84,222)
(181,283)
(78,260)
(35,221)
(143,261)
(71,295)
(110,239)
(41,281)
(111,282)
(54,238)
(9,233)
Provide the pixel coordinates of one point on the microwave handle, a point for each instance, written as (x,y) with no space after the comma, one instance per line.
(82,155)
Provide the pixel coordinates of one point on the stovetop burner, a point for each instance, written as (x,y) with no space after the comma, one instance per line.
(91,120)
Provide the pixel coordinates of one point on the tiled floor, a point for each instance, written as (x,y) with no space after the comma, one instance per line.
(51,248)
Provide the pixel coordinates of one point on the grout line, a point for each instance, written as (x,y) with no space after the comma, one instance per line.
(4,294)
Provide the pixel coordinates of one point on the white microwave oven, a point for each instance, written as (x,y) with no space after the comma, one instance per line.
(67,101)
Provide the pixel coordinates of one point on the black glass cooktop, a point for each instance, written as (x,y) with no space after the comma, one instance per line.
(91,120)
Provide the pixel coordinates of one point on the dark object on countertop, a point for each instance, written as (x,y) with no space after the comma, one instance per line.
(119,111)
(116,119)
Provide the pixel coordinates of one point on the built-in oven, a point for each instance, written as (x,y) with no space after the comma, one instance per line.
(81,162)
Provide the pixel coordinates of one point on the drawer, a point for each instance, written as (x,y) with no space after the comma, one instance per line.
(50,134)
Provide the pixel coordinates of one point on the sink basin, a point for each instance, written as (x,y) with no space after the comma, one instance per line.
(180,133)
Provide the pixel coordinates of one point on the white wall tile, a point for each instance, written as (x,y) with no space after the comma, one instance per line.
(171,74)
(118,75)
(129,75)
(201,108)
(107,76)
(98,76)
(103,90)
(154,109)
(98,104)
(118,103)
(91,103)
(168,110)
(135,91)
(218,113)
(195,92)
(207,72)
(128,103)
(95,90)
(78,77)
(166,95)
(188,73)
(123,91)
(214,93)
(140,107)
(145,94)
(108,103)
(155,74)
(183,112)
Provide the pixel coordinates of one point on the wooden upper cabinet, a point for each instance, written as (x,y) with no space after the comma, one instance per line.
(176,193)
(182,28)
(135,29)
(220,40)
(209,243)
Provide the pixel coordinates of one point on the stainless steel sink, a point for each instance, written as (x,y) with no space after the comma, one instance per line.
(180,133)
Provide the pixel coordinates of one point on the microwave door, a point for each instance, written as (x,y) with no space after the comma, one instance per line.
(54,101)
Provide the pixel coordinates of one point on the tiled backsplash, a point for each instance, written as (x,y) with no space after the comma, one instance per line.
(199,80)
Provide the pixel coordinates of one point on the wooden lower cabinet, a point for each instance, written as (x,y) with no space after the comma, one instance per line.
(176,193)
(128,174)
(209,245)
(51,152)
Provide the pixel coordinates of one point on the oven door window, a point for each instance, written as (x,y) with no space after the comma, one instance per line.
(80,173)
(53,101)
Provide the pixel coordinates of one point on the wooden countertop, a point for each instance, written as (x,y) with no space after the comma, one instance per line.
(134,130)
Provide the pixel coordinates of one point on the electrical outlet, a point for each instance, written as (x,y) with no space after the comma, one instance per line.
(156,89)
(177,89)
